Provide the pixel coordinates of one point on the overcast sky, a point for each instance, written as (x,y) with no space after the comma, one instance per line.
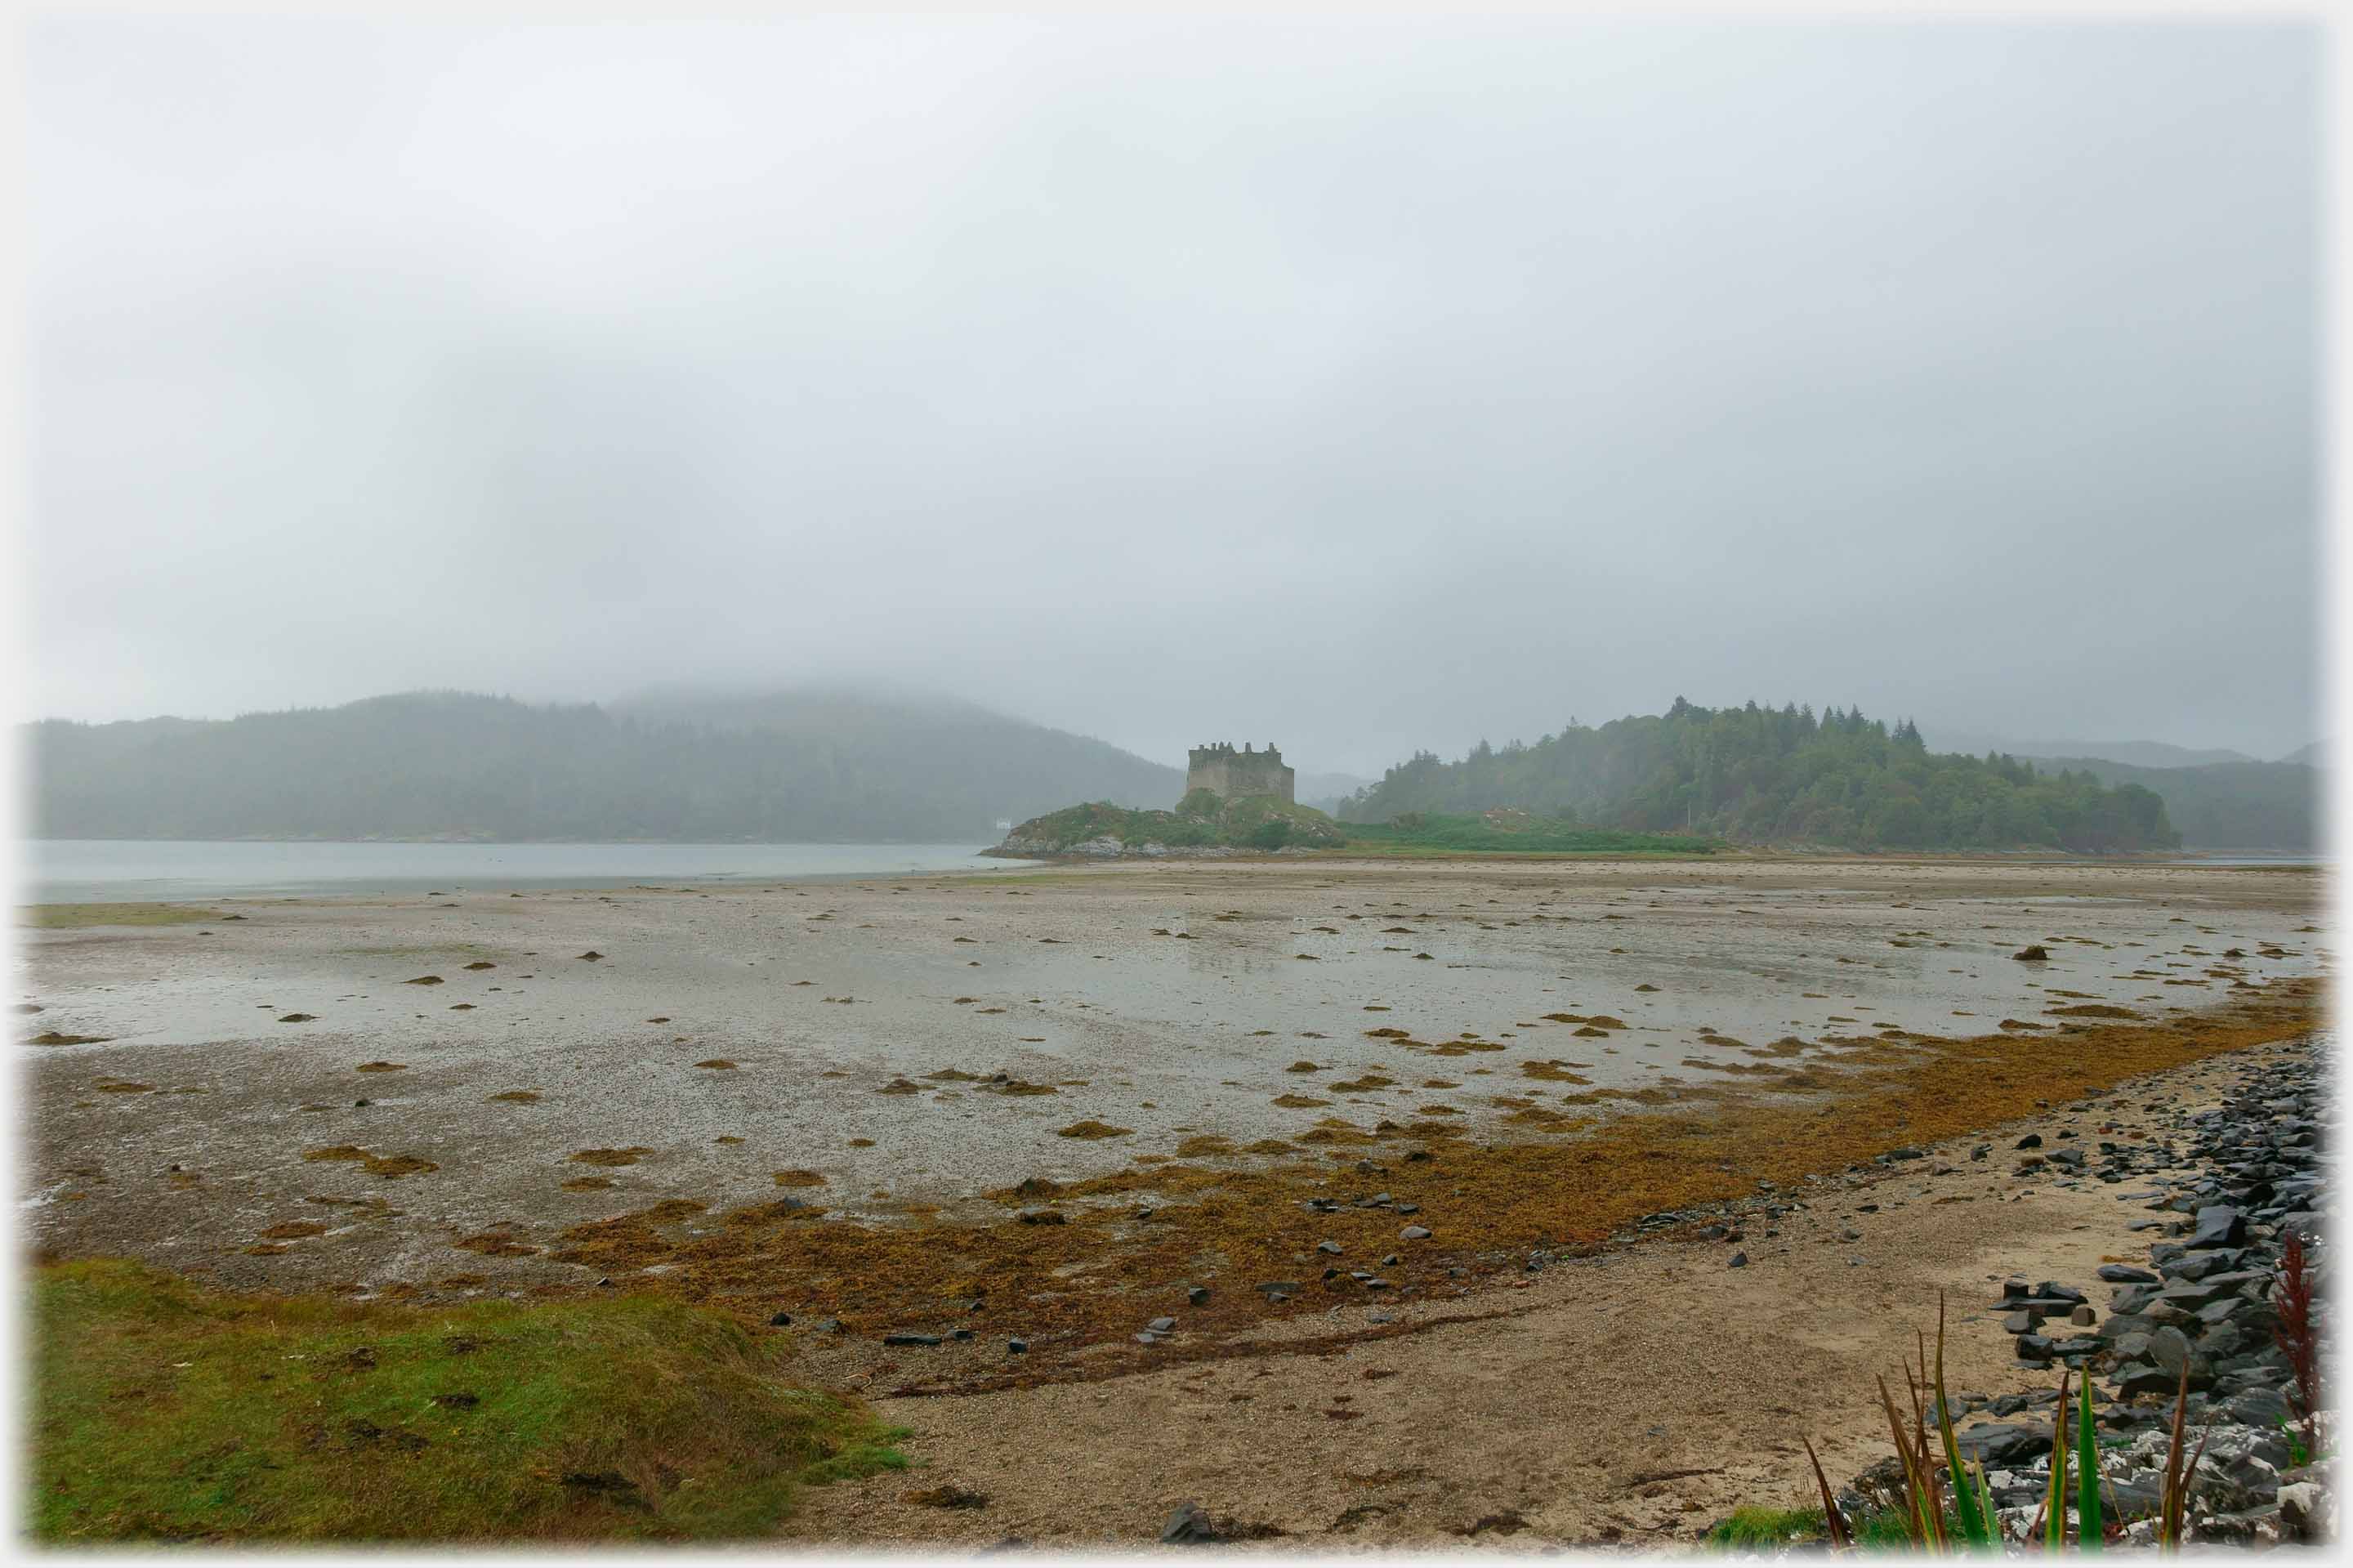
(1362,386)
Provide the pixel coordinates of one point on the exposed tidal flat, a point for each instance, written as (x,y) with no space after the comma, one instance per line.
(831,1100)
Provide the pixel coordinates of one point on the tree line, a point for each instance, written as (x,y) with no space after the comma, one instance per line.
(1777,775)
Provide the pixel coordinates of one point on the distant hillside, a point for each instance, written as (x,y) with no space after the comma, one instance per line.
(1755,775)
(2313,755)
(2227,805)
(806,766)
(1326,790)
(2132,753)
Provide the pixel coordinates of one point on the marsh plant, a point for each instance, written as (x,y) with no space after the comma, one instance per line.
(1949,1507)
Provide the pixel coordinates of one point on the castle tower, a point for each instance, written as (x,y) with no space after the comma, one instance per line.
(1231,775)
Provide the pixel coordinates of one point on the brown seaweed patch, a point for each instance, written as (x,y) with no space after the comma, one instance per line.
(899,1087)
(1204,1145)
(1553,1072)
(382,1067)
(389,1166)
(1639,1096)
(516,1097)
(1341,1132)
(628,1156)
(495,1243)
(1091,1128)
(718,1063)
(1365,1084)
(2092,1010)
(1299,1102)
(294,1230)
(1550,1120)
(798,1179)
(54,1037)
(1016,1087)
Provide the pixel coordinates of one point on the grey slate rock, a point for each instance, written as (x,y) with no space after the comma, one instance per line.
(2219,1224)
(2003,1446)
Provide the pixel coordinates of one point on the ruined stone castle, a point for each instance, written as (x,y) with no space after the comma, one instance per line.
(1231,774)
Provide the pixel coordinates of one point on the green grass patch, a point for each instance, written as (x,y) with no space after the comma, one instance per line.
(164,1411)
(1764,1529)
(1751,1529)
(65,917)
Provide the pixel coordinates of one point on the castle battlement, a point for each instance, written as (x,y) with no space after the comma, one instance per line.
(1230,774)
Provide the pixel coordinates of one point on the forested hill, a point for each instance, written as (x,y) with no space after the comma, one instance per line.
(789,766)
(1769,776)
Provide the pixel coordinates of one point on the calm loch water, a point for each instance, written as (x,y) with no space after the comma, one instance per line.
(92,871)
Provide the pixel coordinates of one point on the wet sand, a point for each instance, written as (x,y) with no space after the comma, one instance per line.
(898,1054)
